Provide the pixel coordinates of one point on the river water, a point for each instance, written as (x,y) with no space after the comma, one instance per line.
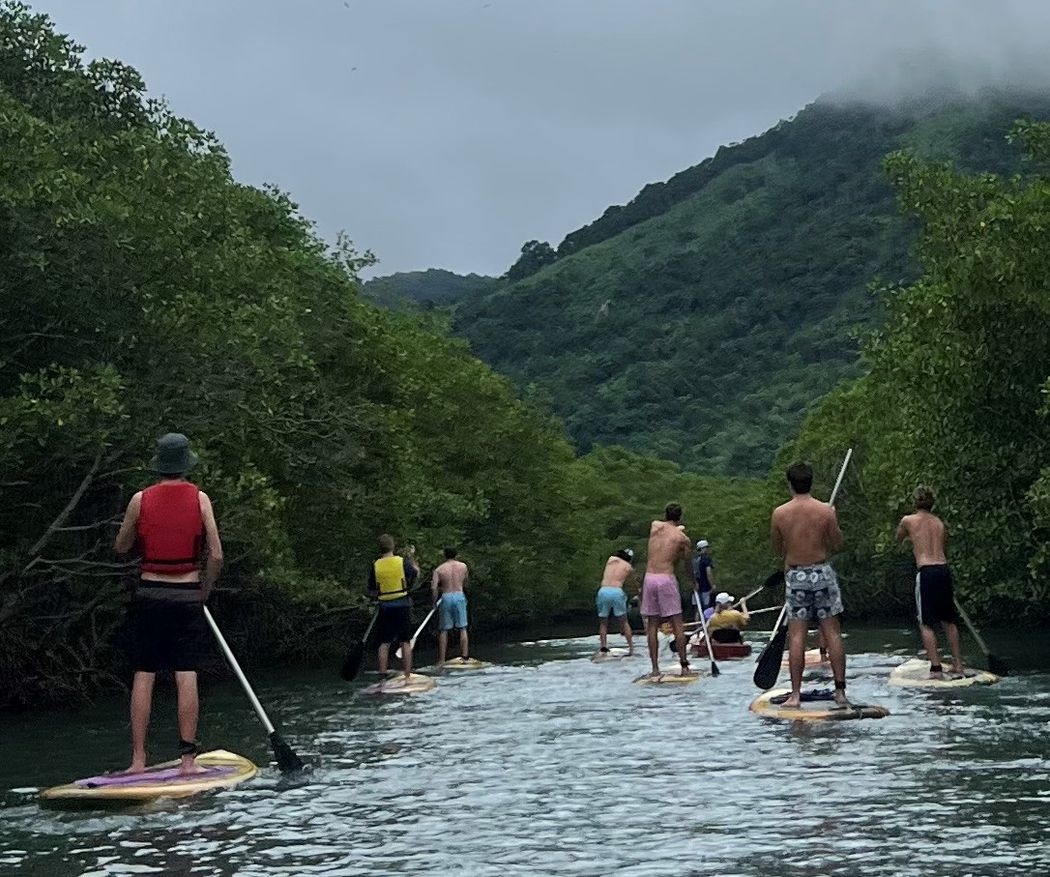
(550,764)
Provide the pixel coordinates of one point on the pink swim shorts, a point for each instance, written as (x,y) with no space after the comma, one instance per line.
(660,596)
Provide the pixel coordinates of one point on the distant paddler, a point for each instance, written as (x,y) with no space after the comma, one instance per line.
(448,584)
(173,525)
(725,623)
(388,582)
(611,598)
(934,591)
(704,575)
(661,598)
(804,531)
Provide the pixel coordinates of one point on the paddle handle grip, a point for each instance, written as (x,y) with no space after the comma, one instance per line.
(259,711)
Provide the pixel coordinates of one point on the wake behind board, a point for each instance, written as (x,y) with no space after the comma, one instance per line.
(814,710)
(465,664)
(415,684)
(667,678)
(915,673)
(222,770)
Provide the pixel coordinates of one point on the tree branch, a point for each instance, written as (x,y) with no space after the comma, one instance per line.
(63,516)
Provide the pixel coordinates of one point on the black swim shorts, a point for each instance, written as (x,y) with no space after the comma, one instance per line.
(935,595)
(394,624)
(167,635)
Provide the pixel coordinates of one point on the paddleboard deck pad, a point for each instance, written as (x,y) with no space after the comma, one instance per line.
(221,770)
(813,709)
(915,673)
(415,684)
(674,678)
(465,664)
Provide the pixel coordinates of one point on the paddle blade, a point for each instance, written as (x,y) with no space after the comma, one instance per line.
(714,669)
(998,666)
(774,580)
(287,760)
(352,662)
(769,661)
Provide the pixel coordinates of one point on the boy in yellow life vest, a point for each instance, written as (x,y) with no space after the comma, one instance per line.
(388,582)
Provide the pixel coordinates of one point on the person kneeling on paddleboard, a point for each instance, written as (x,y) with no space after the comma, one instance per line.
(388,582)
(448,584)
(725,623)
(611,598)
(173,524)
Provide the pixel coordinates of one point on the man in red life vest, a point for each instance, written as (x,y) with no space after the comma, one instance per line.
(174,526)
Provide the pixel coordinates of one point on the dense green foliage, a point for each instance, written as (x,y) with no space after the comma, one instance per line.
(956,391)
(702,321)
(424,290)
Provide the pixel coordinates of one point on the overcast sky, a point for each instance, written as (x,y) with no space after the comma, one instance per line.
(445,133)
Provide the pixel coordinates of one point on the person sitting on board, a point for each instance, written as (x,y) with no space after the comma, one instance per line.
(703,576)
(661,599)
(726,622)
(804,531)
(388,582)
(173,524)
(448,584)
(611,598)
(934,592)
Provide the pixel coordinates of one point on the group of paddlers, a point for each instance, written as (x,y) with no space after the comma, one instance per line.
(803,532)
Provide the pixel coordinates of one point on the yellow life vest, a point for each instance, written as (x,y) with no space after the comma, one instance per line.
(390,578)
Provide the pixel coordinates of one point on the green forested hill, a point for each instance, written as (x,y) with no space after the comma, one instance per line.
(421,290)
(700,322)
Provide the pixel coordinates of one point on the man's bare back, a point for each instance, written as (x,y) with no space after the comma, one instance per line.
(804,530)
(927,534)
(667,544)
(616,572)
(451,577)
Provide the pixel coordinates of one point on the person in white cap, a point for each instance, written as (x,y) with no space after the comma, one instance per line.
(611,599)
(703,576)
(726,622)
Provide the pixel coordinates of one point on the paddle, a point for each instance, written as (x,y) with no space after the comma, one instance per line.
(352,662)
(775,578)
(768,668)
(995,664)
(419,630)
(287,760)
(707,639)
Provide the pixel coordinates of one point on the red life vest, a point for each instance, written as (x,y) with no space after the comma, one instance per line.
(170,528)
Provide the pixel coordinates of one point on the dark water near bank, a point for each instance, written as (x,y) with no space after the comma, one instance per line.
(549,764)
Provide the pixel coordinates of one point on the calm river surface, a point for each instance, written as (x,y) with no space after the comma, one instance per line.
(550,764)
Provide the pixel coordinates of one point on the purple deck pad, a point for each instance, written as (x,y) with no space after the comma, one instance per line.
(152,777)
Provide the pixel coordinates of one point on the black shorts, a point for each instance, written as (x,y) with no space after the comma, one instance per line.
(394,624)
(935,595)
(167,635)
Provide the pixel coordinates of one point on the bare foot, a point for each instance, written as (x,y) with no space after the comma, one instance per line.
(936,675)
(189,766)
(136,767)
(793,702)
(840,699)
(689,671)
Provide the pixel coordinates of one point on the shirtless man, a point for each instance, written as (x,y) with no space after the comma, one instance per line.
(611,598)
(450,579)
(934,594)
(804,531)
(661,599)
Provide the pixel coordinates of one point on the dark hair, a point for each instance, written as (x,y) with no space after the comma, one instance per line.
(386,543)
(800,477)
(624,555)
(673,512)
(450,553)
(923,497)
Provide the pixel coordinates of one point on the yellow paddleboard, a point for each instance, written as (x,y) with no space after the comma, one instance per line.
(222,769)
(813,711)
(415,684)
(675,678)
(468,664)
(812,660)
(915,673)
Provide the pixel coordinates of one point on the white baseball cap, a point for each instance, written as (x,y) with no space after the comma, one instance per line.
(724,599)
(702,544)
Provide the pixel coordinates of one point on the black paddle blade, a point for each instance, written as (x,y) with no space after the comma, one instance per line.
(352,662)
(287,760)
(714,669)
(769,661)
(998,666)
(774,579)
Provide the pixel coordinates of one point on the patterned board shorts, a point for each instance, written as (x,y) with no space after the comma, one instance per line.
(812,593)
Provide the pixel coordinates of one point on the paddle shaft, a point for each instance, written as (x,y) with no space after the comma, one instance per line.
(419,630)
(707,639)
(259,711)
(747,597)
(973,630)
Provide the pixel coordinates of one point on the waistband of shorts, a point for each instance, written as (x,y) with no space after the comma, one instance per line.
(933,566)
(660,578)
(169,592)
(810,567)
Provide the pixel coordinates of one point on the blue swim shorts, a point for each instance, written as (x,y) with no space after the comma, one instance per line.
(452,613)
(612,600)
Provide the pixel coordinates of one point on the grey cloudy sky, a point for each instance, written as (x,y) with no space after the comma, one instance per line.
(445,133)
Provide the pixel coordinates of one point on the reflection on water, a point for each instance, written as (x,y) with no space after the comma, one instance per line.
(549,764)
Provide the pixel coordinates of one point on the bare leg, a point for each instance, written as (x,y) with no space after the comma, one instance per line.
(464,643)
(603,634)
(141,701)
(442,646)
(652,627)
(837,655)
(679,638)
(383,657)
(929,640)
(951,630)
(796,660)
(406,658)
(189,711)
(625,628)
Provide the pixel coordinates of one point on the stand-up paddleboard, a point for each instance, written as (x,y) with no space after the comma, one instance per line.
(812,660)
(666,678)
(221,769)
(611,655)
(465,664)
(819,710)
(915,673)
(415,684)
